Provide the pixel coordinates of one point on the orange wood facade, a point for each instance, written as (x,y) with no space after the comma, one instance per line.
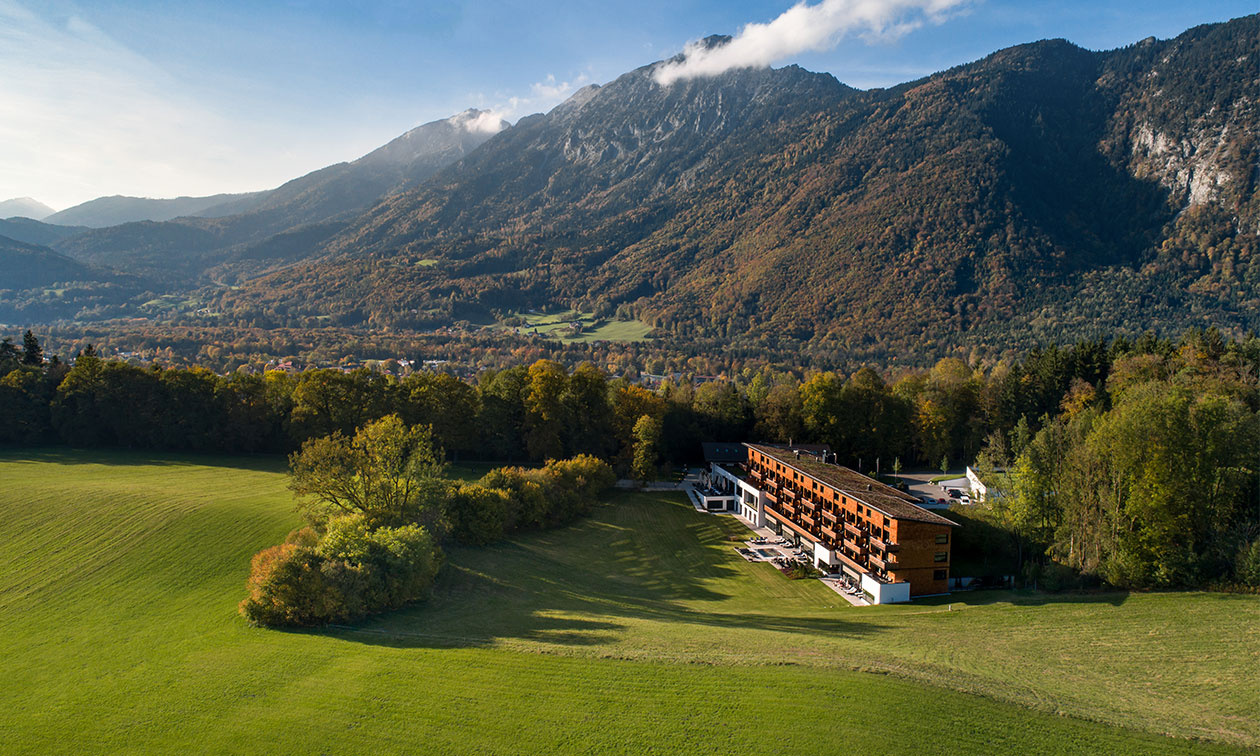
(895,549)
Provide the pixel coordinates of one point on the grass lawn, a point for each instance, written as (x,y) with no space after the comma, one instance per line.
(637,630)
(555,325)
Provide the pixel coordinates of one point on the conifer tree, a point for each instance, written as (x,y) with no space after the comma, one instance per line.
(32,352)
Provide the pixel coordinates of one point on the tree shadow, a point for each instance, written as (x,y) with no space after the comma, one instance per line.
(71,456)
(1020,597)
(647,557)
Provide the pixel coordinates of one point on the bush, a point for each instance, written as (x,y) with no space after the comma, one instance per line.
(349,565)
(1247,566)
(354,570)
(556,494)
(478,515)
(288,586)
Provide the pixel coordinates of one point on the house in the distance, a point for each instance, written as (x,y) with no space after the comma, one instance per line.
(993,485)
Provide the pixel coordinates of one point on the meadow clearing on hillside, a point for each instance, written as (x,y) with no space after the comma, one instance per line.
(638,630)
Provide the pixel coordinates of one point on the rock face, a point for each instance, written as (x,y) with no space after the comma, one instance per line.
(1043,192)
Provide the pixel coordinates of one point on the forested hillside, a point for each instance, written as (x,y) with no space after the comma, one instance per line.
(1046,191)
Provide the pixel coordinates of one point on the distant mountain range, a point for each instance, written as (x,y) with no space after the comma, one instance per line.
(1044,192)
(116,210)
(24,207)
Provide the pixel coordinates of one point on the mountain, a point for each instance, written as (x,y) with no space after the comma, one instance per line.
(116,210)
(25,266)
(1043,192)
(235,236)
(25,207)
(35,232)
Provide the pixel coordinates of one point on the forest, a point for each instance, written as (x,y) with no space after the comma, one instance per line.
(1131,461)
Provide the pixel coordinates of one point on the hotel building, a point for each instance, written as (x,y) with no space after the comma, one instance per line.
(876,535)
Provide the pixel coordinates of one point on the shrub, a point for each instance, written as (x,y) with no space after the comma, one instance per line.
(1247,566)
(354,570)
(288,586)
(478,515)
(553,495)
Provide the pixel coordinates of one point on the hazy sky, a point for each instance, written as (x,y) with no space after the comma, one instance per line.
(159,99)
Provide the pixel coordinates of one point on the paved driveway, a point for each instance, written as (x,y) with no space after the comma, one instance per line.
(920,485)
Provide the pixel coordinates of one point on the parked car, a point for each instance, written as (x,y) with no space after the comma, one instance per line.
(953,493)
(965,499)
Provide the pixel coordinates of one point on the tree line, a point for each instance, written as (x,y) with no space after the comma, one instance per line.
(942,416)
(1065,420)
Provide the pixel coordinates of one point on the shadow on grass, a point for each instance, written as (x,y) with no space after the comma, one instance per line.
(985,597)
(70,456)
(646,558)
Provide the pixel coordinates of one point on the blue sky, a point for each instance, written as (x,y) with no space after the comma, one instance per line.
(155,98)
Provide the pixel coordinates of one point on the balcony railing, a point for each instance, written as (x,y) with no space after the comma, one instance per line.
(877,562)
(854,546)
(854,529)
(828,514)
(829,533)
(883,545)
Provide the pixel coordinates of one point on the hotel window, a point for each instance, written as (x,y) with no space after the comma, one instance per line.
(943,538)
(941,556)
(939,574)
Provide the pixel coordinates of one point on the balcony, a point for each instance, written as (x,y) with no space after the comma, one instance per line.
(876,562)
(807,521)
(787,508)
(854,546)
(829,515)
(854,529)
(882,545)
(830,534)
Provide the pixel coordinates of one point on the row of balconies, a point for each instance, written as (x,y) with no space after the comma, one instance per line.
(809,513)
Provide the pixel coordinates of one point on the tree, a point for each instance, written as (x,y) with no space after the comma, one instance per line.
(32,353)
(445,403)
(8,353)
(546,416)
(587,406)
(647,440)
(389,473)
(325,401)
(1247,564)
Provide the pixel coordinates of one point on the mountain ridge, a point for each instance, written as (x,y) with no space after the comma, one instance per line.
(939,208)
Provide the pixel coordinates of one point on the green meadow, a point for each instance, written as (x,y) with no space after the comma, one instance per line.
(556,325)
(638,630)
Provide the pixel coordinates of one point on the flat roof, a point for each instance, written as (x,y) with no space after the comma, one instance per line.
(853,484)
(717,451)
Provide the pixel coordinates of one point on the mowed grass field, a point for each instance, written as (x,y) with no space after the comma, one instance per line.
(636,631)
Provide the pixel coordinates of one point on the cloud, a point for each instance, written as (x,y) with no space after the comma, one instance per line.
(480,121)
(543,96)
(804,28)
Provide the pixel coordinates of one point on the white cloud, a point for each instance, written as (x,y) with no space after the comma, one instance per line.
(804,28)
(543,96)
(480,121)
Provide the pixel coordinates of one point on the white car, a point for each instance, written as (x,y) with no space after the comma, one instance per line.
(965,499)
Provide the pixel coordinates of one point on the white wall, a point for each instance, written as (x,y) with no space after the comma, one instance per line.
(885,593)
